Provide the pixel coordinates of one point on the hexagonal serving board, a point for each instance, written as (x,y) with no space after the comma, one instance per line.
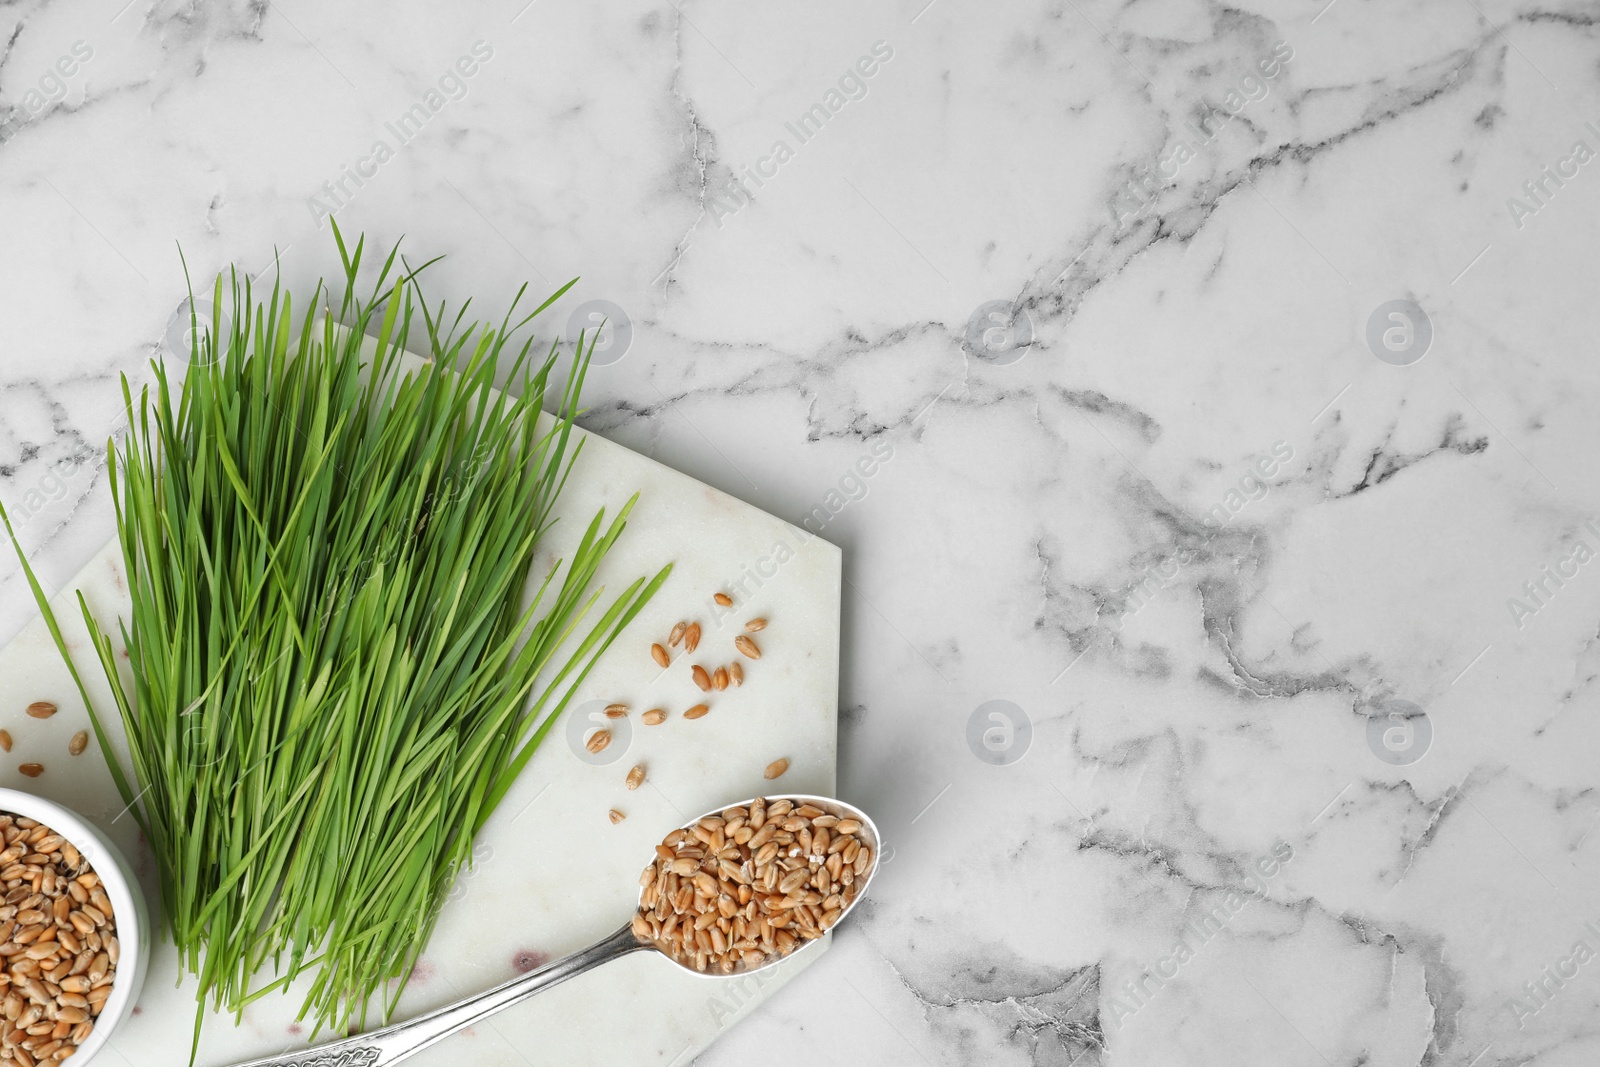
(552,873)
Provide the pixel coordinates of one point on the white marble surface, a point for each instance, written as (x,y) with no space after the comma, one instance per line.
(1198,289)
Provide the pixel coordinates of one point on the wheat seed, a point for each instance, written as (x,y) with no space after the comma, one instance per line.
(636,777)
(5,740)
(735,892)
(691,637)
(719,680)
(697,711)
(659,654)
(724,599)
(747,646)
(654,717)
(735,675)
(79,742)
(598,740)
(677,634)
(32,770)
(52,985)
(776,768)
(41,709)
(616,816)
(701,678)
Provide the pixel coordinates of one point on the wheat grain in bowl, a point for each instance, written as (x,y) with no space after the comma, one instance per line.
(744,887)
(58,943)
(73,934)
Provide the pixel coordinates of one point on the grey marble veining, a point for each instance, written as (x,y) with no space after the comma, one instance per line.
(1291,602)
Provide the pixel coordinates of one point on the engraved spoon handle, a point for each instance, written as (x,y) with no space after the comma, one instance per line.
(380,1048)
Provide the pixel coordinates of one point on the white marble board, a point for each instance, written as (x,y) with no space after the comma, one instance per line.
(552,873)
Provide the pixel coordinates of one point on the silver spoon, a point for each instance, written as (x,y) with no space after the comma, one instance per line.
(392,1044)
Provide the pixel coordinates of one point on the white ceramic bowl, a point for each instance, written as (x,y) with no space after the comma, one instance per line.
(132,917)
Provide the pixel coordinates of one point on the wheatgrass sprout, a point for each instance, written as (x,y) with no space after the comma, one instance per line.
(335,679)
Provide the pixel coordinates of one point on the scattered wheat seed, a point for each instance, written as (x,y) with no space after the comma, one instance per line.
(776,768)
(654,717)
(616,711)
(598,740)
(636,777)
(719,680)
(724,599)
(755,625)
(5,740)
(32,770)
(616,816)
(659,654)
(697,711)
(677,634)
(41,709)
(691,637)
(79,742)
(735,675)
(747,646)
(701,678)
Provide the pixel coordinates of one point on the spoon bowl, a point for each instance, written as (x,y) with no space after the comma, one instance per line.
(867,834)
